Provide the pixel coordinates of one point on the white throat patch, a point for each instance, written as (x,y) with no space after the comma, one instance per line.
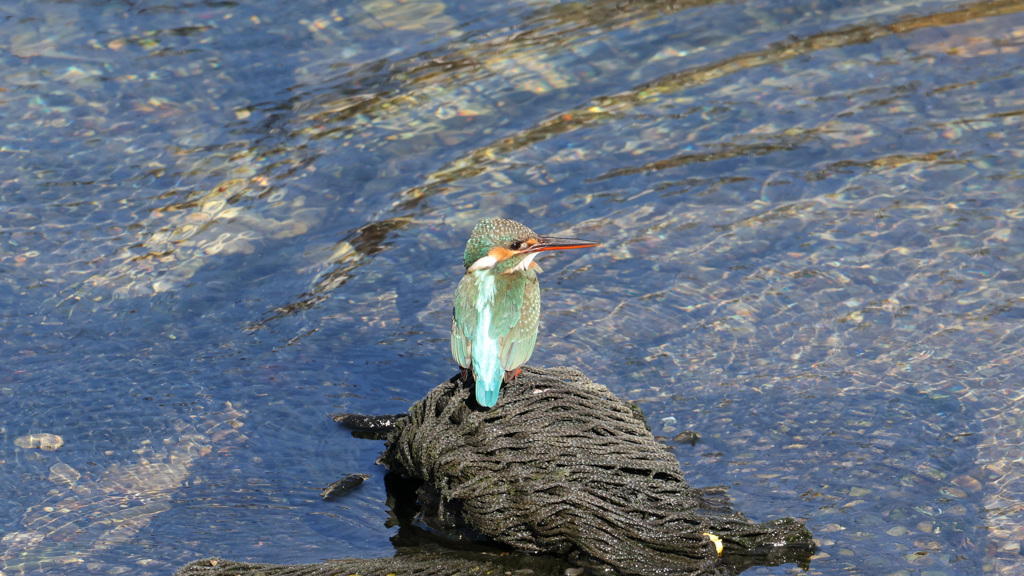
(526,262)
(483,264)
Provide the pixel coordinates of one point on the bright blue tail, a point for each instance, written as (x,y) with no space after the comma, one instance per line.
(487,370)
(487,387)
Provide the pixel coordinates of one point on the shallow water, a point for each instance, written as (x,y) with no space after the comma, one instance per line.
(220,223)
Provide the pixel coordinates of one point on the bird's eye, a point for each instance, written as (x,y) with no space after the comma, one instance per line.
(515,245)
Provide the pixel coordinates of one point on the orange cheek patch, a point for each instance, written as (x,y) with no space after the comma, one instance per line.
(500,253)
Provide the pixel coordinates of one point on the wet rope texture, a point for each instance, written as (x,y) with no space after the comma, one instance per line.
(561,466)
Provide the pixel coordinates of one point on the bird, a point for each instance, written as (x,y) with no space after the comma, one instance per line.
(497,303)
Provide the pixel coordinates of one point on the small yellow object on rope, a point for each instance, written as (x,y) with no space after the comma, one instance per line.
(717,541)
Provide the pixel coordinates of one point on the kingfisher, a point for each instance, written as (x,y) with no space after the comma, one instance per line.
(497,303)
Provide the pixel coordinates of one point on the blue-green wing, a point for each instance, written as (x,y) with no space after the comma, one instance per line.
(464,319)
(517,331)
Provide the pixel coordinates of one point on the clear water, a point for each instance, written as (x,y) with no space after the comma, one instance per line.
(220,222)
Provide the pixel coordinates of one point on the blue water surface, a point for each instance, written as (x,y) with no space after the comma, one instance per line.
(221,222)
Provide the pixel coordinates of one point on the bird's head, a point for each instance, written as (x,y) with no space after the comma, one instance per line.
(507,246)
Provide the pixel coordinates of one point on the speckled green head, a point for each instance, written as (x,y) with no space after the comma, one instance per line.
(502,246)
(496,233)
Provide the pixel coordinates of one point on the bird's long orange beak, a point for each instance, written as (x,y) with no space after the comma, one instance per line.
(558,244)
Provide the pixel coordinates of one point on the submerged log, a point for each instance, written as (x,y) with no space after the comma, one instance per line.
(560,469)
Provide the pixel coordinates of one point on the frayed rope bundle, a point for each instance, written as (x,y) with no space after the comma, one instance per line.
(561,466)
